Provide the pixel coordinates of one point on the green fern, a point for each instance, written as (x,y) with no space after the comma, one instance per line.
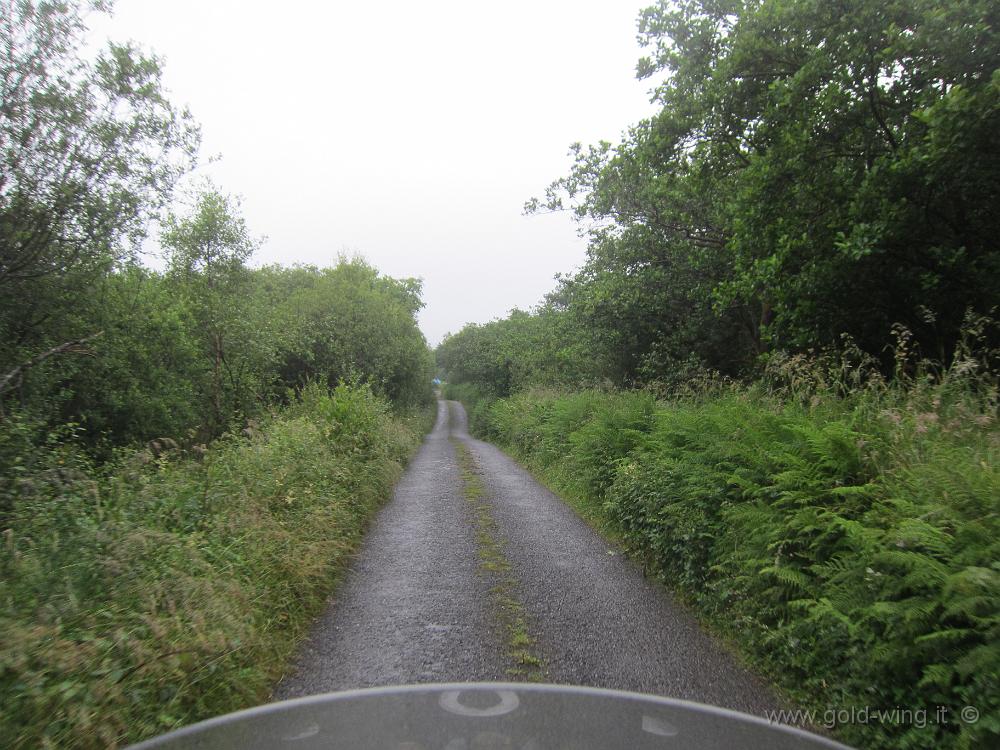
(852,554)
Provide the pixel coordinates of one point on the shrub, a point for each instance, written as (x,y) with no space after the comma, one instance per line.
(847,538)
(156,595)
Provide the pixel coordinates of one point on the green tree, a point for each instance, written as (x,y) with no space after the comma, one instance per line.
(354,323)
(816,169)
(544,347)
(142,381)
(89,151)
(207,254)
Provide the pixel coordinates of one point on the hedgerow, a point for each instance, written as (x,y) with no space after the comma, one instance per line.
(167,590)
(847,543)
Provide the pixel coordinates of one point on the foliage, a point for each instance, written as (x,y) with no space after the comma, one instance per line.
(142,588)
(187,354)
(477,404)
(504,356)
(146,375)
(816,169)
(849,544)
(89,151)
(207,254)
(351,322)
(169,589)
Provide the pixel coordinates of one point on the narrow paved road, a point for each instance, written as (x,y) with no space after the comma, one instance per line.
(421,602)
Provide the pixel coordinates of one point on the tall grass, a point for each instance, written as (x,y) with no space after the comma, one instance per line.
(845,534)
(160,594)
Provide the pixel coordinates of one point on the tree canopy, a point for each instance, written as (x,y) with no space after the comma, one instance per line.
(816,171)
(91,152)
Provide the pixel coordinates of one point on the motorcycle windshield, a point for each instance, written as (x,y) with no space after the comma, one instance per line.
(486,717)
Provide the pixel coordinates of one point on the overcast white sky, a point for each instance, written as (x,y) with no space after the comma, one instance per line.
(410,133)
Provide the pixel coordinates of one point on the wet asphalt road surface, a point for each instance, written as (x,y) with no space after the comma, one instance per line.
(416,605)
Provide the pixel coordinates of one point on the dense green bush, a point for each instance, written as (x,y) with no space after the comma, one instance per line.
(171,588)
(350,321)
(584,437)
(90,152)
(144,588)
(477,401)
(849,545)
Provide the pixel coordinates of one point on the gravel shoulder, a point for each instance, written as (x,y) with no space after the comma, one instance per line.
(417,605)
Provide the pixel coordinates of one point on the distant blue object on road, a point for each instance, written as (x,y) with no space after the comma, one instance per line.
(436,381)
